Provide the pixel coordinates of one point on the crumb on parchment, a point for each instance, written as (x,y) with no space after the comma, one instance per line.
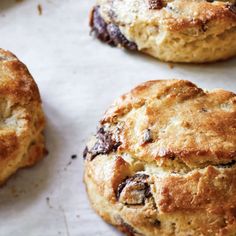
(74,156)
(40,9)
(171,66)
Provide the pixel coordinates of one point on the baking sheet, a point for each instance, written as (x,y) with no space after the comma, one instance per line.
(78,78)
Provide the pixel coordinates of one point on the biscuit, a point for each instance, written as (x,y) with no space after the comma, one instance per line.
(163,161)
(189,31)
(22,119)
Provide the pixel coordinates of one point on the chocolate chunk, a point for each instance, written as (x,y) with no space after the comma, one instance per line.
(74,156)
(104,145)
(85,152)
(121,187)
(232,8)
(99,26)
(109,33)
(155,4)
(119,39)
(147,192)
(204,26)
(157,223)
(147,137)
(134,190)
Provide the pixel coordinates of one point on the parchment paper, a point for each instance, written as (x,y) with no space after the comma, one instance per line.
(78,78)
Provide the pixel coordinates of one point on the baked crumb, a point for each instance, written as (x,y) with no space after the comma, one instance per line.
(48,202)
(40,9)
(74,156)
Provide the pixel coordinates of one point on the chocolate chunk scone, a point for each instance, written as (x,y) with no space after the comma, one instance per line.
(21,117)
(163,161)
(195,31)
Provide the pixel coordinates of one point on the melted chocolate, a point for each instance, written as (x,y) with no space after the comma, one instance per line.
(137,183)
(109,33)
(155,4)
(104,145)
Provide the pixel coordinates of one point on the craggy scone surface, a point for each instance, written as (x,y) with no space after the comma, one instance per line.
(21,117)
(163,161)
(171,30)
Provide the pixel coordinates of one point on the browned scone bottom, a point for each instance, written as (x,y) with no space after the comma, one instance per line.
(22,119)
(189,31)
(163,161)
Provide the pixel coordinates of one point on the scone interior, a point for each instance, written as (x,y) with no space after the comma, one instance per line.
(21,117)
(163,161)
(188,31)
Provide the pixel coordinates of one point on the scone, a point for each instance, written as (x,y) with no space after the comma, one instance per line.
(163,161)
(21,117)
(194,31)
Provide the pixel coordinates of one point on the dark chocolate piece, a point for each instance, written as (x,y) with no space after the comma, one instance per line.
(155,4)
(140,187)
(157,223)
(99,26)
(119,39)
(104,145)
(74,156)
(109,33)
(204,26)
(85,152)
(232,8)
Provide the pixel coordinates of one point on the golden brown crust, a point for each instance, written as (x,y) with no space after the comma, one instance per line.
(164,161)
(201,190)
(180,116)
(204,13)
(181,31)
(22,118)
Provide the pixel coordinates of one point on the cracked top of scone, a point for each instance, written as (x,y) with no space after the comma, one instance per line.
(171,123)
(21,117)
